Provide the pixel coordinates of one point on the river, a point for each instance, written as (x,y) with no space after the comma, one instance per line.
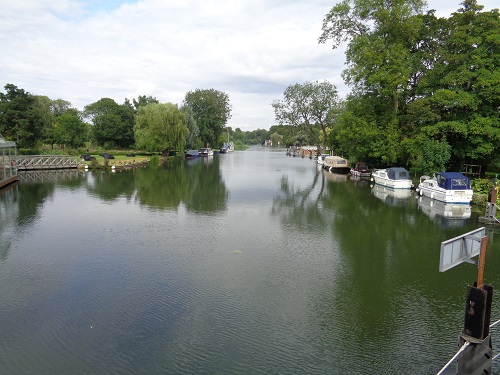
(251,262)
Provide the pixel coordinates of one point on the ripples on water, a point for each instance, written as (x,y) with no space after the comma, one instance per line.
(254,263)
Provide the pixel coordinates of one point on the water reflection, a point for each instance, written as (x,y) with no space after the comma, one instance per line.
(9,215)
(195,183)
(288,262)
(335,177)
(445,214)
(392,197)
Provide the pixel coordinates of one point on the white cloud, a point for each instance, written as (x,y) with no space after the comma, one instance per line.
(82,51)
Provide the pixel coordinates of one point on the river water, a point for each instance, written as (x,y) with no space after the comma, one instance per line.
(246,263)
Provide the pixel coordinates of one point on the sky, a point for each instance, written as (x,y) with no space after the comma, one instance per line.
(252,50)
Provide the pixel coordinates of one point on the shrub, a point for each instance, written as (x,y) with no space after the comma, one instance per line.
(482,185)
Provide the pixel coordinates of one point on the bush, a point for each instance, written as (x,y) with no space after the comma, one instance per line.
(482,185)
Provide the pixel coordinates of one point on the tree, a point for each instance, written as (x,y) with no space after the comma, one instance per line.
(18,120)
(160,127)
(379,34)
(276,139)
(458,99)
(435,156)
(311,105)
(70,130)
(211,110)
(193,138)
(113,124)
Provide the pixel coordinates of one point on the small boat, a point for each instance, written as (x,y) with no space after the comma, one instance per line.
(394,177)
(336,164)
(226,148)
(206,151)
(447,187)
(321,159)
(361,170)
(192,154)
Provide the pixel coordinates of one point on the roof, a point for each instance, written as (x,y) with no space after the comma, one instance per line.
(397,169)
(452,175)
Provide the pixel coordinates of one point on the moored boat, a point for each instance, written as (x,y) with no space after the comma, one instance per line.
(447,187)
(227,147)
(206,151)
(336,164)
(361,170)
(394,177)
(321,158)
(192,154)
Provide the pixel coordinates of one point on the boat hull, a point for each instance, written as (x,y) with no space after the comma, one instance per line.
(446,196)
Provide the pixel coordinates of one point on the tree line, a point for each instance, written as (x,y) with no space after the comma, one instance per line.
(425,91)
(143,123)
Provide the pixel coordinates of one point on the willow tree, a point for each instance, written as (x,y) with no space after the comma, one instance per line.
(160,127)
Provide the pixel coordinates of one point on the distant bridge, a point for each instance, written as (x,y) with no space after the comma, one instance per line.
(29,162)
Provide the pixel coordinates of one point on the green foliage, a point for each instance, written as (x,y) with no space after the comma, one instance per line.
(211,110)
(417,80)
(112,123)
(154,161)
(18,117)
(482,185)
(70,130)
(310,105)
(160,127)
(435,156)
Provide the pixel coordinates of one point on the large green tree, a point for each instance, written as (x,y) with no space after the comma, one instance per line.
(160,127)
(211,110)
(18,119)
(70,130)
(113,124)
(311,105)
(459,98)
(380,70)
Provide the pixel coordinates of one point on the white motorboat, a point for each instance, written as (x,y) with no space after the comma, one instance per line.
(394,177)
(447,187)
(206,151)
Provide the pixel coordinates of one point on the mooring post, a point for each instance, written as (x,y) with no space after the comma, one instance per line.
(477,356)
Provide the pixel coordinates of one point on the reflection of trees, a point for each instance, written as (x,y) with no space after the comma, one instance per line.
(206,191)
(390,280)
(197,183)
(9,211)
(386,286)
(161,187)
(300,207)
(111,186)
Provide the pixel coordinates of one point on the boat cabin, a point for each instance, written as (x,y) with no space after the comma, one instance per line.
(453,181)
(397,173)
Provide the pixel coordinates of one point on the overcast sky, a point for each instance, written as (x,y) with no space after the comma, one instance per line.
(82,51)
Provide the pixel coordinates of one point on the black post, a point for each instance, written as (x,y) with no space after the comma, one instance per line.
(477,357)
